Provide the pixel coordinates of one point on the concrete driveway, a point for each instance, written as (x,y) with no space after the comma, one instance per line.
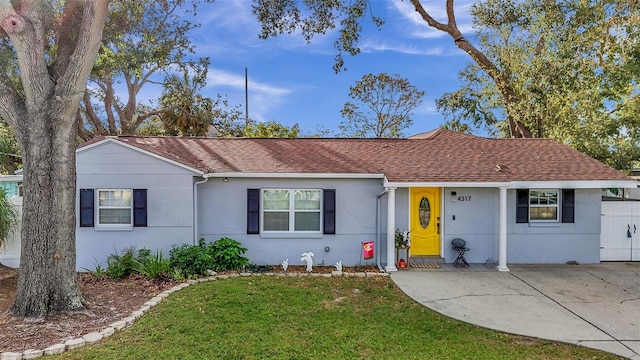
(590,305)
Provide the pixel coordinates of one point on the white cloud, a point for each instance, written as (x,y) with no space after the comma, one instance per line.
(370,46)
(263,97)
(221,78)
(231,29)
(229,14)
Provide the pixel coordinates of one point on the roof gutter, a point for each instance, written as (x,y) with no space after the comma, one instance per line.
(379,231)
(195,209)
(294,175)
(567,184)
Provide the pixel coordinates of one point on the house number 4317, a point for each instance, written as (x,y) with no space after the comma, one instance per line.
(464,198)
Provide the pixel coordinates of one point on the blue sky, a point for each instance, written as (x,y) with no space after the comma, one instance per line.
(291,81)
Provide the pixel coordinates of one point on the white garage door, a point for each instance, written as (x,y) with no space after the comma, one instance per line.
(620,231)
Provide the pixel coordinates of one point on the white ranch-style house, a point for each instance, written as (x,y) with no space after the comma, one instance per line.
(511,200)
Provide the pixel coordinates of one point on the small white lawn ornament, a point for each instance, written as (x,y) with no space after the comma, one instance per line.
(339,266)
(285,265)
(405,238)
(308,258)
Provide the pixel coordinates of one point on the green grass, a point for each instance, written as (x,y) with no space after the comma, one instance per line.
(311,318)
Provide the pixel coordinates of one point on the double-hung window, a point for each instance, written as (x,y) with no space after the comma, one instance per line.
(543,205)
(115,208)
(288,210)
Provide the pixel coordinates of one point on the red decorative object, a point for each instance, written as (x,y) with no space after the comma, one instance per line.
(402,264)
(367,250)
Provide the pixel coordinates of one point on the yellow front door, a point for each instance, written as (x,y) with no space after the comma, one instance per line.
(425,221)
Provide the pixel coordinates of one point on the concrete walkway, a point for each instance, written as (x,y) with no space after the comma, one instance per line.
(590,305)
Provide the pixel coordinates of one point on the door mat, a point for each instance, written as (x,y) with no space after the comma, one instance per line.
(424,265)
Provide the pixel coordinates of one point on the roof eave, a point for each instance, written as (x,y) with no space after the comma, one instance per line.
(294,175)
(135,148)
(561,184)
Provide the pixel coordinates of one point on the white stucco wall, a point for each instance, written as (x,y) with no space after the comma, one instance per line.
(476,221)
(169,201)
(223,213)
(558,243)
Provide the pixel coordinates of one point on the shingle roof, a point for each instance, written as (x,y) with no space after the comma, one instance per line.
(438,156)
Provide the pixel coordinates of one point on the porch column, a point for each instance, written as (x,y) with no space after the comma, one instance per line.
(502,255)
(391,230)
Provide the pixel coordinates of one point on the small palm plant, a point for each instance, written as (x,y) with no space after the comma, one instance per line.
(8,217)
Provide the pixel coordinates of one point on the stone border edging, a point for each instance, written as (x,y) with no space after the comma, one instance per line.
(97,337)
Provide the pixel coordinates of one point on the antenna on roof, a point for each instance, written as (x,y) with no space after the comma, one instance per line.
(246,97)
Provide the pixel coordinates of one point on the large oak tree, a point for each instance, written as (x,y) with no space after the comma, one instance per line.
(574,67)
(54,45)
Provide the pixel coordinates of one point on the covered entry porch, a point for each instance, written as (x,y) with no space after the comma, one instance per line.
(427,211)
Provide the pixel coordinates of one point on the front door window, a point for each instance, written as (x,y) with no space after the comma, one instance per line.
(424,212)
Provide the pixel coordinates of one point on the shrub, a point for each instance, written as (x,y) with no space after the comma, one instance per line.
(152,266)
(190,260)
(120,266)
(227,255)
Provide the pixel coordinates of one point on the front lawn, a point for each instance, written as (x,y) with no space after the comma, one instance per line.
(269,317)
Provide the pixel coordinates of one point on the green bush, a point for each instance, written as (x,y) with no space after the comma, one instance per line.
(190,260)
(227,255)
(120,266)
(152,266)
(115,269)
(195,260)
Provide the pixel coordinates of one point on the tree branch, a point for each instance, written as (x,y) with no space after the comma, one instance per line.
(10,109)
(91,115)
(72,83)
(82,132)
(28,44)
(518,129)
(431,21)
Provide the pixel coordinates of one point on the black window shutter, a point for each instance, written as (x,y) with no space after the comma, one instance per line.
(253,211)
(329,203)
(140,207)
(86,207)
(522,206)
(568,205)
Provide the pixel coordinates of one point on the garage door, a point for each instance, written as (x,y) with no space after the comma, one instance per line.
(620,231)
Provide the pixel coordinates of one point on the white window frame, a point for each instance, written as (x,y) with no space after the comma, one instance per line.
(98,207)
(292,212)
(557,205)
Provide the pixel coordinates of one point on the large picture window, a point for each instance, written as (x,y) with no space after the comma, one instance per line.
(291,210)
(115,208)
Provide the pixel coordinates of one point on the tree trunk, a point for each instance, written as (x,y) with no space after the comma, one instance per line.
(42,113)
(47,277)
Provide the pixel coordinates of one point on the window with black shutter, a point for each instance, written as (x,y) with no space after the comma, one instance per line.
(301,211)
